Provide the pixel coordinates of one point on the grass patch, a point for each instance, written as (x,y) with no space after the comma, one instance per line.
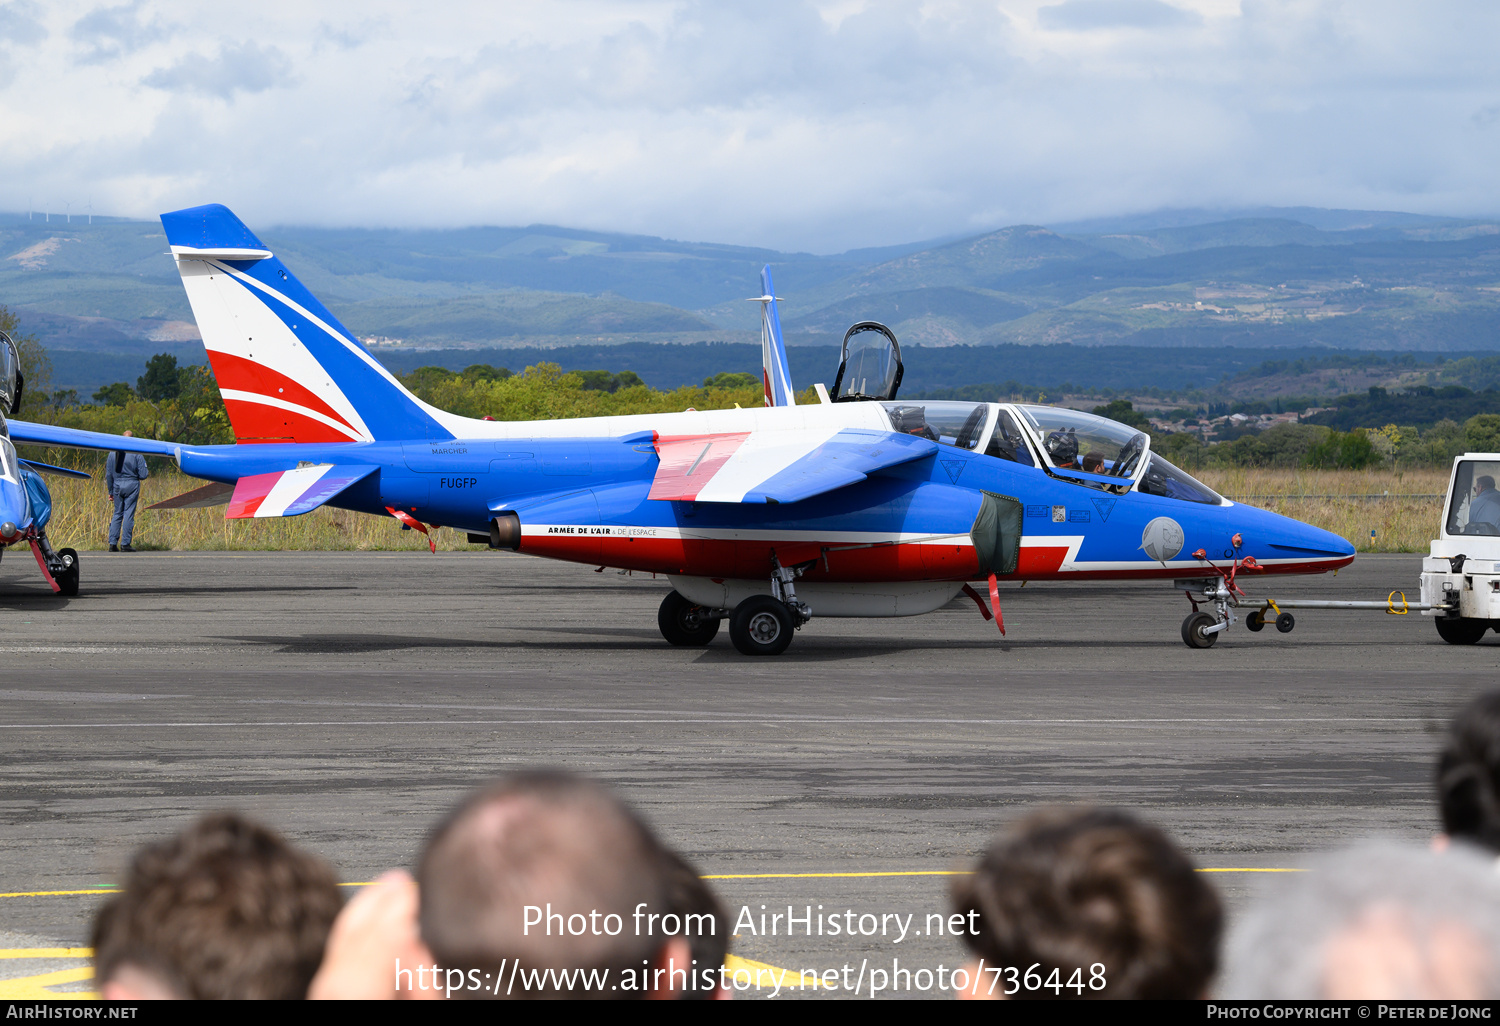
(1400,524)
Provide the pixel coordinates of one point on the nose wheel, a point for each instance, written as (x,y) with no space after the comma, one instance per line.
(1195,632)
(761,626)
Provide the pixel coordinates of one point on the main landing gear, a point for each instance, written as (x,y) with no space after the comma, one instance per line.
(762,625)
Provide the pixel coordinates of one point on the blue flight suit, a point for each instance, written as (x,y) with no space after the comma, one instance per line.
(123,474)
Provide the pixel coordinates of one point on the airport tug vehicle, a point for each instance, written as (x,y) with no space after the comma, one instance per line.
(1461,574)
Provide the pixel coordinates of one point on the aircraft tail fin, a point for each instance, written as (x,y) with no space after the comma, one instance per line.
(775,374)
(287,369)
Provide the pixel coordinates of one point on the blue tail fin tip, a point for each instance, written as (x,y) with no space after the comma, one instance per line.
(211,226)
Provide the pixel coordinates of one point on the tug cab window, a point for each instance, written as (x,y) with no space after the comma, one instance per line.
(1474,505)
(1161,478)
(950,423)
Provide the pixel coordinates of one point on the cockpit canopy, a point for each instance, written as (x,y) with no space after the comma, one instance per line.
(1081,448)
(10,376)
(1074,440)
(869,364)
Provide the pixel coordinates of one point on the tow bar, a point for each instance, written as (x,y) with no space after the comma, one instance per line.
(1201,629)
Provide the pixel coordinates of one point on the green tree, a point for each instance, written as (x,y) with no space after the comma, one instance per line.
(604,381)
(484,372)
(36,365)
(117,394)
(731,379)
(1482,432)
(1351,451)
(1122,411)
(1181,448)
(160,380)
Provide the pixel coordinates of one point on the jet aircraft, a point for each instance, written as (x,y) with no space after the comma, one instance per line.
(25,499)
(863,505)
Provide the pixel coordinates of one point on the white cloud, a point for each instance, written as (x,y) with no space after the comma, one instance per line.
(1083,15)
(789,124)
(245,67)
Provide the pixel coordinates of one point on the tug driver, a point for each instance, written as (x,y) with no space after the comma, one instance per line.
(1486,504)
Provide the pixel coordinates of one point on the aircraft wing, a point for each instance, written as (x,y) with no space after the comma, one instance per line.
(290,493)
(27,433)
(776,466)
(47,468)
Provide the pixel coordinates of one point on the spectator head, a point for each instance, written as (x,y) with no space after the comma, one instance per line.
(1468,774)
(550,871)
(127,433)
(1485,483)
(1073,888)
(1377,922)
(225,909)
(705,924)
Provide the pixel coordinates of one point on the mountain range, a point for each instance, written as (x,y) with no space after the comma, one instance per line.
(1300,278)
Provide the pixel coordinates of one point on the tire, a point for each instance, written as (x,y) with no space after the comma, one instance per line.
(1285,622)
(1456,630)
(761,626)
(67,581)
(680,627)
(1192,631)
(1254,622)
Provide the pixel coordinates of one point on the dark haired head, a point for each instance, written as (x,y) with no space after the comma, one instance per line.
(1468,773)
(225,909)
(1070,888)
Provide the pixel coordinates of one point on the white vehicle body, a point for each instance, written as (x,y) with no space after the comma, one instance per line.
(1461,574)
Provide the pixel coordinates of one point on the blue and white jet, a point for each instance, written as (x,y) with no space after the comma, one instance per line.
(860,505)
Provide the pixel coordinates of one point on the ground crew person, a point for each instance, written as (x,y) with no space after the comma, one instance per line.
(123,474)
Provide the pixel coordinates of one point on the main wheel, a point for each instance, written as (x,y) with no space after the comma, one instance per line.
(68,579)
(761,626)
(1456,630)
(1254,622)
(1285,622)
(1193,628)
(683,623)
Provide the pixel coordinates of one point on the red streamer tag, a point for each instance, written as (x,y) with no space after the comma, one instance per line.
(415,524)
(995,604)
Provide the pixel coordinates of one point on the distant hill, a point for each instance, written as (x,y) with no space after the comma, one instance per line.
(1294,278)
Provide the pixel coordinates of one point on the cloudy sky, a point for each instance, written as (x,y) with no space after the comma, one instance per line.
(818,125)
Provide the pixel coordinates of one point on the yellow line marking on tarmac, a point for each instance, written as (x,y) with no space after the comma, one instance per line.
(804,876)
(716,876)
(768,977)
(1258,869)
(46,952)
(34,988)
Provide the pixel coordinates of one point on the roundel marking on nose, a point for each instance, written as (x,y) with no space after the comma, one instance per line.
(1162,539)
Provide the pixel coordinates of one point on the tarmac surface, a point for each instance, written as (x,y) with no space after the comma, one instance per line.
(350,698)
